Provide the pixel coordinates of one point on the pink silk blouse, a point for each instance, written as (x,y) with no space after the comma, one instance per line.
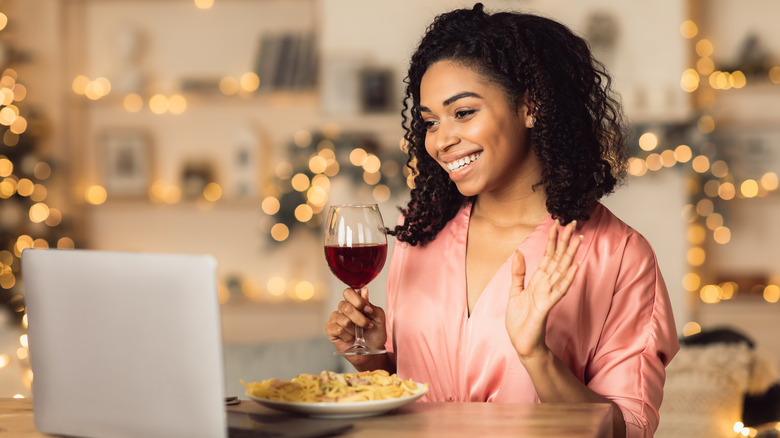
(613,329)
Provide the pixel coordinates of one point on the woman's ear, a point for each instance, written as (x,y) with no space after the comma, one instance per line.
(526,111)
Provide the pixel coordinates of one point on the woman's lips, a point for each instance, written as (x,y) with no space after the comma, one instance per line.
(455,166)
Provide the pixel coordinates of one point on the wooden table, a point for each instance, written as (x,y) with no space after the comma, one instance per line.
(416,420)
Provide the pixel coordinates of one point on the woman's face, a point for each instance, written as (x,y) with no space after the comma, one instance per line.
(474,133)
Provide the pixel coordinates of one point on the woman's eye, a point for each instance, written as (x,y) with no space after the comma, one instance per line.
(462,114)
(430,124)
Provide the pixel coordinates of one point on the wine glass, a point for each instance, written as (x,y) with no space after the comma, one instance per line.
(356,249)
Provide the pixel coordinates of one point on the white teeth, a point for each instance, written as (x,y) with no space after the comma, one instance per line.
(459,164)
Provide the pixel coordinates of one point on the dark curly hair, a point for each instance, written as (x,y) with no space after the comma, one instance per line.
(578,135)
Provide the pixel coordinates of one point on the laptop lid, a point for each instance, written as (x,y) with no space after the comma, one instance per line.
(124,344)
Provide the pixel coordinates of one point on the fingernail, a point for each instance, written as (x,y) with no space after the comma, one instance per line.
(368,309)
(574,223)
(581,237)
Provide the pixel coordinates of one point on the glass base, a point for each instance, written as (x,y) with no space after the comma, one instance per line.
(359,350)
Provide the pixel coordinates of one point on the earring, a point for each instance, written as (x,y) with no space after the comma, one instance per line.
(530,123)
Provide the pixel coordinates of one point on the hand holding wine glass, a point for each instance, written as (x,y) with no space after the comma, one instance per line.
(356,249)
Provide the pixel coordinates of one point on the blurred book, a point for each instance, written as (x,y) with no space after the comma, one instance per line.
(287,62)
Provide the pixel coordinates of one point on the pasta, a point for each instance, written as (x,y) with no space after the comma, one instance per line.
(333,387)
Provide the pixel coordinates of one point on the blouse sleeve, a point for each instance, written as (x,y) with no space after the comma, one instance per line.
(637,341)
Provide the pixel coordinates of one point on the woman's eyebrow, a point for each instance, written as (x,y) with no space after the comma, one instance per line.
(449,101)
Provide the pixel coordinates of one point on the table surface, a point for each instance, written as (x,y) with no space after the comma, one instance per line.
(562,420)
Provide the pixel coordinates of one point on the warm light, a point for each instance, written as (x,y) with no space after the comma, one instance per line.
(372,164)
(42,170)
(19,125)
(270,205)
(739,79)
(303,213)
(701,164)
(774,74)
(249,82)
(7,96)
(25,187)
(19,92)
(696,234)
(727,191)
(722,235)
(710,294)
(158,104)
(284,170)
(749,188)
(381,193)
(212,192)
(4,360)
(372,178)
(39,193)
(302,138)
(704,48)
(769,181)
(714,221)
(705,66)
(728,289)
(79,84)
(177,104)
(648,141)
(689,29)
(24,321)
(653,162)
(318,164)
(300,182)
(317,196)
(280,232)
(720,168)
(691,282)
(696,256)
(667,158)
(276,286)
(689,81)
(3,21)
(204,4)
(321,181)
(636,166)
(738,426)
(23,340)
(96,195)
(691,328)
(22,353)
(304,290)
(6,167)
(66,243)
(358,156)
(7,279)
(38,212)
(711,188)
(772,293)
(251,290)
(228,86)
(706,124)
(8,115)
(705,207)
(54,218)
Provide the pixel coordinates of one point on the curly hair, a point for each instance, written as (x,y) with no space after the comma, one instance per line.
(578,135)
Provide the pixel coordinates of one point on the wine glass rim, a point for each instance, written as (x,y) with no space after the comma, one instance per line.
(368,204)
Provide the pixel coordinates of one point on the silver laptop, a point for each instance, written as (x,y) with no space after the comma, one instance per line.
(124,344)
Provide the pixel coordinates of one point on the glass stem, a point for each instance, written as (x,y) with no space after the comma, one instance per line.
(359,337)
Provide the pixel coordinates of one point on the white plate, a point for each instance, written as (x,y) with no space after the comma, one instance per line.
(342,410)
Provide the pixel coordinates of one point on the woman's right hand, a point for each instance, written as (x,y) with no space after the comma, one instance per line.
(356,310)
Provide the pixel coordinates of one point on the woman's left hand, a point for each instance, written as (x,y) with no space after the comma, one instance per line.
(528,308)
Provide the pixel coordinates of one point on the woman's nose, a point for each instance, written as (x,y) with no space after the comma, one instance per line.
(446,136)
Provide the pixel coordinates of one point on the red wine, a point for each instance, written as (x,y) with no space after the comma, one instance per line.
(356,265)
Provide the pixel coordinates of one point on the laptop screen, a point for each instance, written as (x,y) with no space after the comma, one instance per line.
(124,344)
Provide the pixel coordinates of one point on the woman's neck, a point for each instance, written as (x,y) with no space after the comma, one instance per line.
(512,209)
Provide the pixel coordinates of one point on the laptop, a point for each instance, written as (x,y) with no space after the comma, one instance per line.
(130,345)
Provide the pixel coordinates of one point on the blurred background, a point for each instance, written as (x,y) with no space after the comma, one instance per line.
(228,126)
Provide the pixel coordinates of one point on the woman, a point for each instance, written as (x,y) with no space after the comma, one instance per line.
(514,132)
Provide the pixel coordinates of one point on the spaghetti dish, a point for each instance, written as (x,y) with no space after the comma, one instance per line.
(334,387)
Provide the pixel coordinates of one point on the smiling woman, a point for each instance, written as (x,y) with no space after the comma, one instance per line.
(514,131)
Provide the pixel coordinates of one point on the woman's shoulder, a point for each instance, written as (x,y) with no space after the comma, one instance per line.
(613,232)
